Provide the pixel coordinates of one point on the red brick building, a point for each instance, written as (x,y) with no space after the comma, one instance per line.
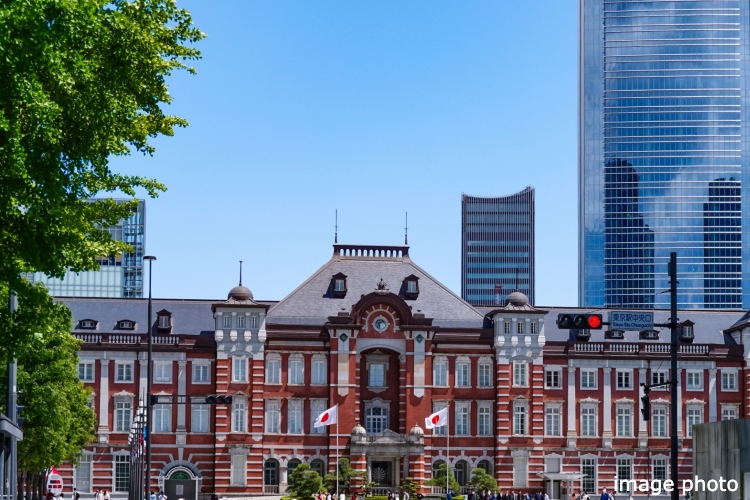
(373,333)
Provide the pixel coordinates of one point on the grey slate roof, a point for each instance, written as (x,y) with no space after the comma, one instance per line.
(709,326)
(310,304)
(191,317)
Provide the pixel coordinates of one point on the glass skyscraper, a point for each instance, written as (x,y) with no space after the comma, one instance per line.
(663,150)
(118,275)
(497,247)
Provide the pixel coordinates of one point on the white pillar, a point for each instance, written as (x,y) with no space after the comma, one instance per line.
(103,430)
(679,404)
(181,389)
(572,435)
(607,410)
(642,424)
(143,380)
(712,395)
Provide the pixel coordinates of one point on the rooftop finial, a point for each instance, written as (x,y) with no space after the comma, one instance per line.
(406,230)
(336,228)
(517,289)
(240,273)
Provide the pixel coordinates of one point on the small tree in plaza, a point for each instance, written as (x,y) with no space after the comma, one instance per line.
(410,486)
(480,480)
(346,474)
(439,479)
(304,482)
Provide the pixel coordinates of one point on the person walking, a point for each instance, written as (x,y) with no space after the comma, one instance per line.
(106,495)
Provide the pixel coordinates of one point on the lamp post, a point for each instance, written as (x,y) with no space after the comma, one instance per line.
(149,416)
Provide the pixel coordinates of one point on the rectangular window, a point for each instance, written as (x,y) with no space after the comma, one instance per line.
(227,321)
(319,370)
(728,381)
(86,372)
(254,321)
(520,472)
(273,370)
(318,407)
(439,431)
(660,469)
(552,379)
(239,416)
(729,413)
(588,470)
(296,371)
(462,375)
(295,417)
(162,418)
(239,370)
(411,286)
(624,422)
(122,472)
(462,420)
(519,420)
(376,375)
(162,371)
(122,416)
(506,327)
(83,474)
(241,321)
(485,421)
(239,470)
(659,422)
(485,375)
(199,417)
(552,420)
(338,285)
(694,417)
(200,373)
(624,379)
(273,413)
(659,377)
(533,327)
(441,374)
(694,380)
(520,374)
(624,473)
(588,379)
(124,372)
(519,327)
(588,421)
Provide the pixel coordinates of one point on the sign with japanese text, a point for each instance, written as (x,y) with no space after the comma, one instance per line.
(631,320)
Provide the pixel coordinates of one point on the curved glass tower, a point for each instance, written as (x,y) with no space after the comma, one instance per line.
(663,152)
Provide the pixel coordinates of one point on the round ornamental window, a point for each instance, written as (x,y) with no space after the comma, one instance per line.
(380,324)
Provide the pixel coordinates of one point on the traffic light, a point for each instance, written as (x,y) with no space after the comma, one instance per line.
(219,400)
(579,321)
(646,407)
(153,399)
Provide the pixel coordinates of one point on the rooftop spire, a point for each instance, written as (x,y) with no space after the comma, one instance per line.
(336,228)
(406,230)
(517,289)
(240,273)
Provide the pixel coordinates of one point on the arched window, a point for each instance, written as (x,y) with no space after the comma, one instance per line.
(271,473)
(318,466)
(291,465)
(485,466)
(376,417)
(461,472)
(436,467)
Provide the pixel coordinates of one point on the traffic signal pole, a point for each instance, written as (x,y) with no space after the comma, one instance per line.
(675,377)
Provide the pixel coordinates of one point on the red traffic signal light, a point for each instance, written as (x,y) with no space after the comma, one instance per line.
(579,321)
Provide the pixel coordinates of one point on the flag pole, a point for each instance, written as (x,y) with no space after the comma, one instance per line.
(448,451)
(337,453)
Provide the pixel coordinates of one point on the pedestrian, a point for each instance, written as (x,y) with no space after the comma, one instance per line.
(472,494)
(328,496)
(342,496)
(420,496)
(151,496)
(76,495)
(546,496)
(214,496)
(106,495)
(605,495)
(406,495)
(449,495)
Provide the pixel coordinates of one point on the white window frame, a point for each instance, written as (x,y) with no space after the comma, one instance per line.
(626,412)
(82,482)
(691,377)
(440,372)
(463,418)
(199,370)
(120,484)
(411,286)
(272,416)
(729,375)
(295,416)
(319,370)
(553,419)
(693,416)
(241,321)
(239,414)
(660,377)
(463,372)
(532,327)
(239,468)
(376,375)
(589,379)
(520,373)
(506,327)
(554,373)
(520,417)
(296,369)
(317,406)
(339,285)
(589,461)
(227,322)
(162,418)
(163,372)
(624,375)
(659,420)
(86,368)
(622,463)
(384,417)
(521,479)
(200,417)
(127,372)
(660,461)
(520,327)
(124,407)
(484,418)
(591,412)
(484,373)
(730,411)
(164,321)
(254,321)
(273,369)
(239,368)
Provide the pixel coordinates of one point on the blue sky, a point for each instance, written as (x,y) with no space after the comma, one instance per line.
(300,108)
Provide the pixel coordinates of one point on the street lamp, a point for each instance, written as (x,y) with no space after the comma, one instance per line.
(149,416)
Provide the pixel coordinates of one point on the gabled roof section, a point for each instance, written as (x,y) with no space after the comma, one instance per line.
(741,323)
(365,266)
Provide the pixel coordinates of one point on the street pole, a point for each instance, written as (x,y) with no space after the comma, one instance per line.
(12,409)
(675,377)
(149,411)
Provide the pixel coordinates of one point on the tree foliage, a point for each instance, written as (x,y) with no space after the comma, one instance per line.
(346,474)
(480,480)
(439,478)
(410,486)
(304,482)
(80,81)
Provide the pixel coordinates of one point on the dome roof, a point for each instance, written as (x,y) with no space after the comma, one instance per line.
(416,430)
(517,299)
(359,431)
(240,293)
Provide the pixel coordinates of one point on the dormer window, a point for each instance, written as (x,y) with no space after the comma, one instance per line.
(583,334)
(410,287)
(338,285)
(615,334)
(164,321)
(687,332)
(125,324)
(87,324)
(650,335)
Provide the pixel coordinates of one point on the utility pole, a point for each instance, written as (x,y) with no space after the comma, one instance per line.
(675,377)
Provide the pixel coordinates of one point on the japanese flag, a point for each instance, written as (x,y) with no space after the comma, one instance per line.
(328,417)
(437,419)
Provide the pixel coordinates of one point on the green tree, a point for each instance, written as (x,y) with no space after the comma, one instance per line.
(439,479)
(80,82)
(346,474)
(304,483)
(480,480)
(410,486)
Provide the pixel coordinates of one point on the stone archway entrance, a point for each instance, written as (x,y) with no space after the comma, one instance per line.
(181,484)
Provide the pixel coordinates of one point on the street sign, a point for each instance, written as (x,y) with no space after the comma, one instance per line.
(631,320)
